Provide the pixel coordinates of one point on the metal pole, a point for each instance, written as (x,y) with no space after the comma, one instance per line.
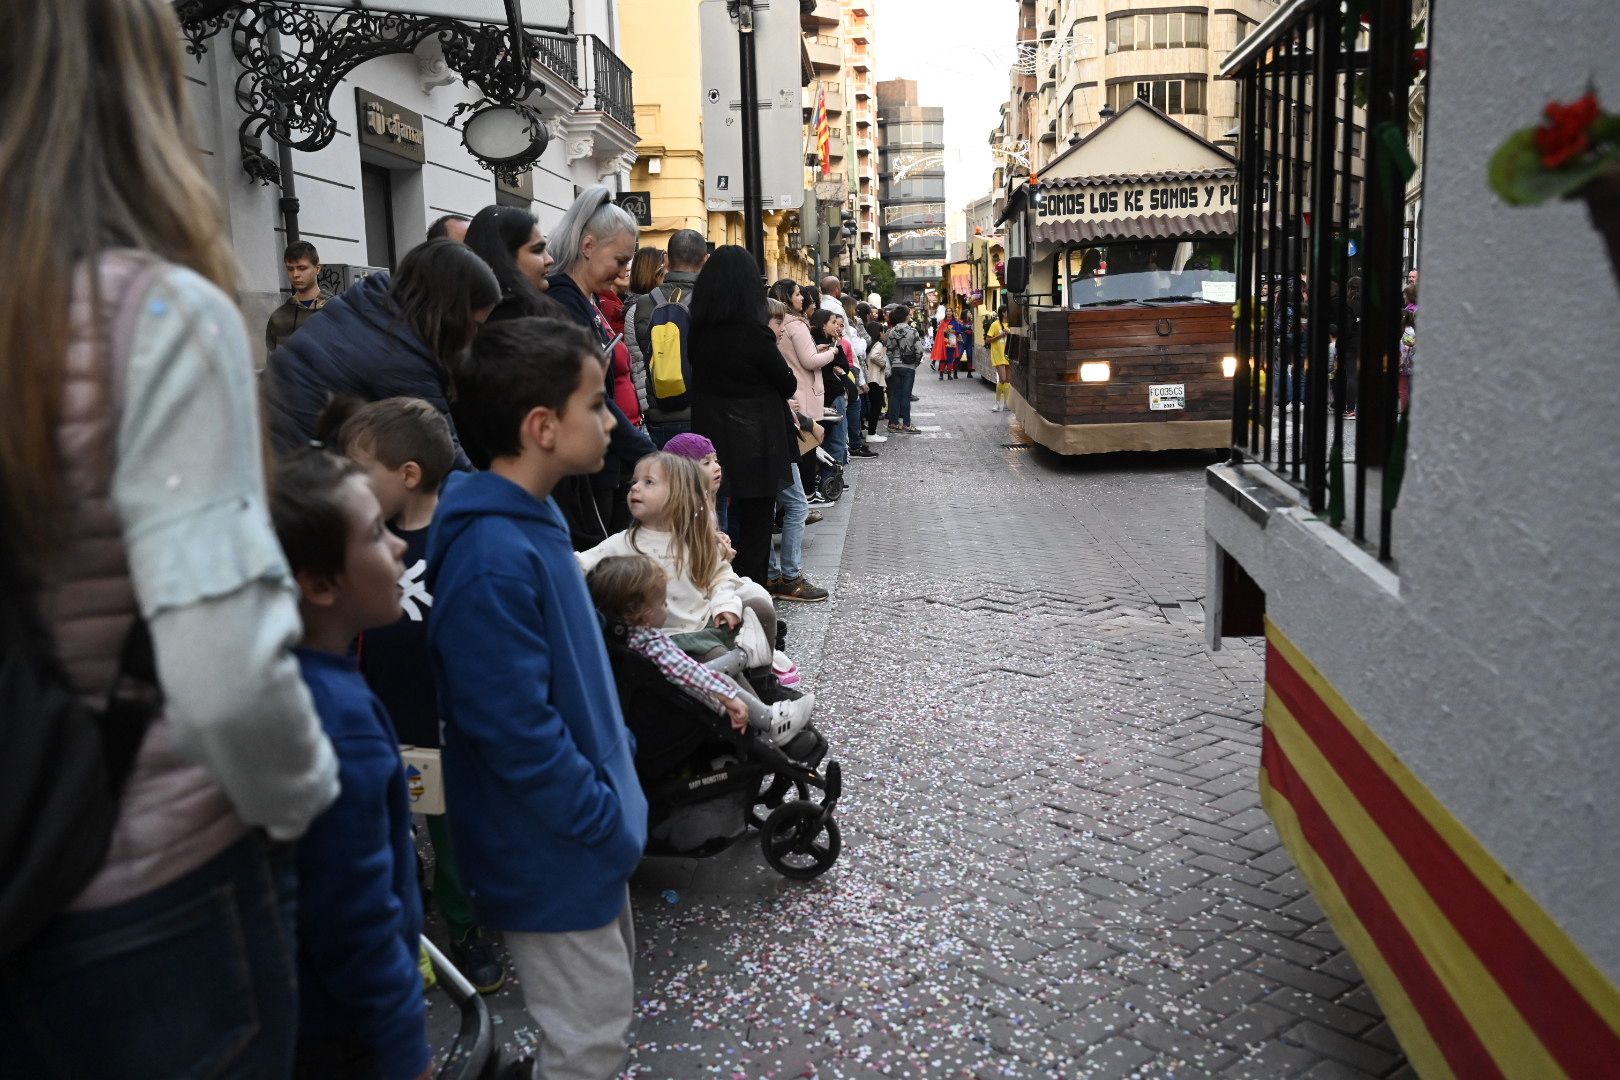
(284,164)
(753,197)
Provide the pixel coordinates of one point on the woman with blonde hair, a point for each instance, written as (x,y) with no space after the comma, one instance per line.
(159,941)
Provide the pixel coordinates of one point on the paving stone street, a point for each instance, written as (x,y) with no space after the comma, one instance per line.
(1054,858)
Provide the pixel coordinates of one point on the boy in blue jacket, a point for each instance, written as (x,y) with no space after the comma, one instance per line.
(360,1009)
(549,818)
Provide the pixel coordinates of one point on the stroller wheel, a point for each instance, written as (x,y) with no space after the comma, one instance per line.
(771,795)
(833,486)
(798,843)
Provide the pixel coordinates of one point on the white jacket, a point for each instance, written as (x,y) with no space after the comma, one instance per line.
(687,608)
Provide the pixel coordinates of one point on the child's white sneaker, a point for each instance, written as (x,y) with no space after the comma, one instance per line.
(787,718)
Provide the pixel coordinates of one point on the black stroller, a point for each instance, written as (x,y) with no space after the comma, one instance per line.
(707,785)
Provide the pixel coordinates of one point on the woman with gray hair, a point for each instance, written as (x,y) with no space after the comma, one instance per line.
(593,244)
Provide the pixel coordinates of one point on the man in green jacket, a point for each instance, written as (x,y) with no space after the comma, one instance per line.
(303,275)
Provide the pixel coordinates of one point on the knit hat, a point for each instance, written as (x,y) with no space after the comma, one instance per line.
(689,444)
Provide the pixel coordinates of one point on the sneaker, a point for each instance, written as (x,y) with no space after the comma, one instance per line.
(817,499)
(813,517)
(877,438)
(787,718)
(911,430)
(477,957)
(1349,414)
(914,397)
(894,427)
(785,670)
(799,590)
(861,451)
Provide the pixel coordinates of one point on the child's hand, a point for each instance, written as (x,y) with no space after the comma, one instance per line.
(737,710)
(727,552)
(727,621)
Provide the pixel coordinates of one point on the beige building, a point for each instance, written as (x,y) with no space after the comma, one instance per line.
(1081,61)
(838,47)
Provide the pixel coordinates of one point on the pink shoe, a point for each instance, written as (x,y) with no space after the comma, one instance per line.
(785,670)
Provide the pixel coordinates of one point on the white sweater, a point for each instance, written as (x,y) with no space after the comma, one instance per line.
(687,607)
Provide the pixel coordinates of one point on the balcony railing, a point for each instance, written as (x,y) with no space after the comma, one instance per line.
(558,54)
(609,82)
(1332,429)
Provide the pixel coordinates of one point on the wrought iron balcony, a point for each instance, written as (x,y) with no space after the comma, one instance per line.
(608,86)
(1304,245)
(559,55)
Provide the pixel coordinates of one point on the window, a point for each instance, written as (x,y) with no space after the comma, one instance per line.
(1167,30)
(1175,96)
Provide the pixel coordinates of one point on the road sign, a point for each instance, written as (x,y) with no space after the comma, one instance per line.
(781,111)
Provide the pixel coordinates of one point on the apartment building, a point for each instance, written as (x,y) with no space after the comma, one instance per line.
(1080,62)
(912,175)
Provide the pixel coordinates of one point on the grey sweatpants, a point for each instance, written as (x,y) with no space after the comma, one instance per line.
(580,989)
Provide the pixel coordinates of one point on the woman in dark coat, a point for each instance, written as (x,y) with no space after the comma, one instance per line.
(388,336)
(740,390)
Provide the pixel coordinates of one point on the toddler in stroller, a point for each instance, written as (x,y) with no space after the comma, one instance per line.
(629,591)
(708,777)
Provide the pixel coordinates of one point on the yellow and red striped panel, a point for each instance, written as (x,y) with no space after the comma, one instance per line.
(1475,978)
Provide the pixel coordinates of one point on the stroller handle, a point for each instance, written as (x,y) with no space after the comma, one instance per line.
(474,1047)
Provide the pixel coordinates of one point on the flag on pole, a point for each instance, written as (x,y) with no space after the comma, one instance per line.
(823,130)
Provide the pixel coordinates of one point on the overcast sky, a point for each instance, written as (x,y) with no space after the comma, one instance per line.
(959,52)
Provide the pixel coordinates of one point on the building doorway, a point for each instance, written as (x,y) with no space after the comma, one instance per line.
(377,192)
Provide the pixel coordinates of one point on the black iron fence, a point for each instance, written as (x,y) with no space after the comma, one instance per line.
(559,54)
(1323,94)
(609,88)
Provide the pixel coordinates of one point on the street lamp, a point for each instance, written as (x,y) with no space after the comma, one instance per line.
(289,95)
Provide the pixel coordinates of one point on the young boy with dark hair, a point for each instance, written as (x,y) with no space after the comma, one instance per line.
(304,278)
(360,1009)
(549,818)
(405,447)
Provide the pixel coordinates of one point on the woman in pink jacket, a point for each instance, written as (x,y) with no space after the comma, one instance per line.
(801,352)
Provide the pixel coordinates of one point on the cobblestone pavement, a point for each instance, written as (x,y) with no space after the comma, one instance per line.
(1055,862)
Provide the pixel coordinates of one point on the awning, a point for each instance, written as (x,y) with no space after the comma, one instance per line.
(1190,226)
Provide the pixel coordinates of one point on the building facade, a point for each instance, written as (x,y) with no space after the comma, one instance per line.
(912,195)
(1081,61)
(397,162)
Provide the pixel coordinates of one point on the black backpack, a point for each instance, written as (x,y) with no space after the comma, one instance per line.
(66,762)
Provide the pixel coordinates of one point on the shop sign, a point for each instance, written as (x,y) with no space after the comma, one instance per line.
(639,204)
(388,127)
(1110,201)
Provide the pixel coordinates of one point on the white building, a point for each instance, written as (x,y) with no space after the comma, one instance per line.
(396,164)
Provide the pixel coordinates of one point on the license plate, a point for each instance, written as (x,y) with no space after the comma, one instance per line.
(1167,396)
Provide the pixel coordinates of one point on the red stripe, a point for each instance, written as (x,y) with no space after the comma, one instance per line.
(1447,1025)
(1564,1021)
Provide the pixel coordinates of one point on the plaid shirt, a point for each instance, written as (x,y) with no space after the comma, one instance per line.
(678,667)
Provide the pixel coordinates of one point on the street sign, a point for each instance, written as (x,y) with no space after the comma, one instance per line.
(781,110)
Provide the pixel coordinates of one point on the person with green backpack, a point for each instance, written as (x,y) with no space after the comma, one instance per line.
(660,322)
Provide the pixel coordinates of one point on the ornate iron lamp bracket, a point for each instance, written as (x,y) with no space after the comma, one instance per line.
(287,92)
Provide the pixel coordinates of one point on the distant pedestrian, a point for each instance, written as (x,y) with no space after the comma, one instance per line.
(995,337)
(304,278)
(661,323)
(905,349)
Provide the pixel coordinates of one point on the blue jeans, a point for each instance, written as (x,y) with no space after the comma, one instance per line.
(789,563)
(856,425)
(197,978)
(901,381)
(837,442)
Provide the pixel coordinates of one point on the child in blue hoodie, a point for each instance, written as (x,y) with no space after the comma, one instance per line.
(360,1009)
(550,820)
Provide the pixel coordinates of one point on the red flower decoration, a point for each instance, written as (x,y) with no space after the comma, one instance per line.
(1420,60)
(1567,134)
